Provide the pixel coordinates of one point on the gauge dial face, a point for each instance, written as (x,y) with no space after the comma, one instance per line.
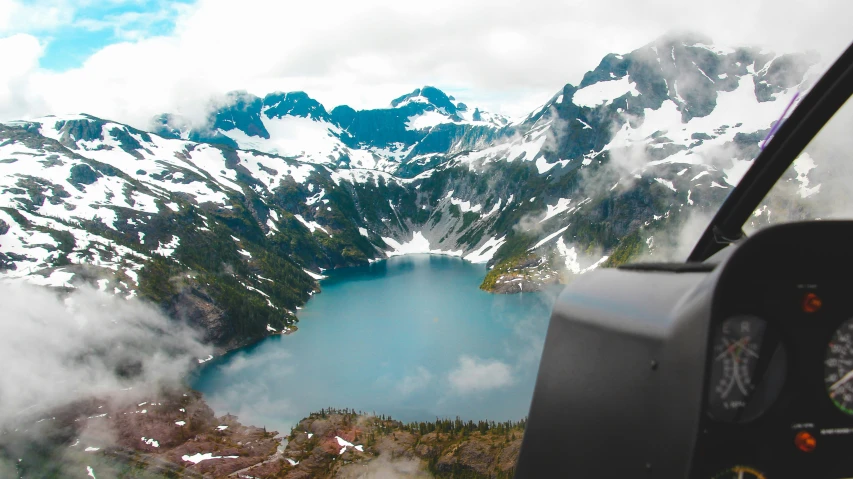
(740,472)
(747,370)
(838,367)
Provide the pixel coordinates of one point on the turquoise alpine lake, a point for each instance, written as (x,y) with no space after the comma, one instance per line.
(412,337)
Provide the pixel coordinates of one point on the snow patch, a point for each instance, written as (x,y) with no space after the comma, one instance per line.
(549,237)
(169,248)
(314,275)
(150,442)
(465,206)
(343,442)
(417,245)
(735,173)
(604,92)
(802,166)
(666,183)
(198,457)
(427,119)
(561,206)
(485,252)
(311,225)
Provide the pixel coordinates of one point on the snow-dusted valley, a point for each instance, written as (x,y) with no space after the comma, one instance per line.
(230,224)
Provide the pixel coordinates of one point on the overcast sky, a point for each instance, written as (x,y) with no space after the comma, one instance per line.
(130,59)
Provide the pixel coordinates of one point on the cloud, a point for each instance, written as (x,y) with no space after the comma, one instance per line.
(87,345)
(384,467)
(817,185)
(20,54)
(530,335)
(34,15)
(256,404)
(132,25)
(275,363)
(414,382)
(496,54)
(475,375)
(676,243)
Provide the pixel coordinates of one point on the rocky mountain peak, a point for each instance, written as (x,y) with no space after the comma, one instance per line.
(428,95)
(296,103)
(243,112)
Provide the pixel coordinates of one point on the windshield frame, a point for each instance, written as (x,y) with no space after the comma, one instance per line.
(790,139)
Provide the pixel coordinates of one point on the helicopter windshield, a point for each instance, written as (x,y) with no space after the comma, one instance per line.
(817,184)
(798,145)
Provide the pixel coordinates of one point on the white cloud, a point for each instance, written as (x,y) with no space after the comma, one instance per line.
(130,25)
(385,467)
(34,15)
(256,404)
(500,54)
(474,375)
(414,382)
(275,364)
(20,54)
(89,344)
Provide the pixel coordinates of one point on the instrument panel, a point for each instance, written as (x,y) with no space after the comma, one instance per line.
(739,367)
(779,392)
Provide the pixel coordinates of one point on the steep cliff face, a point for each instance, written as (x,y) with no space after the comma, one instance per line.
(229,224)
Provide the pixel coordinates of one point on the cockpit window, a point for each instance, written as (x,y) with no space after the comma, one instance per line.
(818,183)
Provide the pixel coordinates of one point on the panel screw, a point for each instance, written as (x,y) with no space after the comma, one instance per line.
(654,365)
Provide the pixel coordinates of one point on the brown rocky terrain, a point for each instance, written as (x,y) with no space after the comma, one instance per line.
(349,445)
(162,435)
(176,435)
(528,273)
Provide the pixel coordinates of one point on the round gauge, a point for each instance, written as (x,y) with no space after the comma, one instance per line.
(747,371)
(740,472)
(838,367)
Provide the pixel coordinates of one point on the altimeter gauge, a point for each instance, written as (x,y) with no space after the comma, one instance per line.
(747,370)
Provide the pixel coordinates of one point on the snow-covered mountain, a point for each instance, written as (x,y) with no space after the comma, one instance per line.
(229,223)
(400,139)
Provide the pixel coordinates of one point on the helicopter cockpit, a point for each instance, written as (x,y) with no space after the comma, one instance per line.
(737,363)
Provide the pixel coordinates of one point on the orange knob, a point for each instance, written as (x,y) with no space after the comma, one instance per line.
(805,441)
(812,303)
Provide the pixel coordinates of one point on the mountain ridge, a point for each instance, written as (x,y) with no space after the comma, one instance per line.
(247,214)
(421,122)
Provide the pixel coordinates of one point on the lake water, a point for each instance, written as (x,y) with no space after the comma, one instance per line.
(411,337)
